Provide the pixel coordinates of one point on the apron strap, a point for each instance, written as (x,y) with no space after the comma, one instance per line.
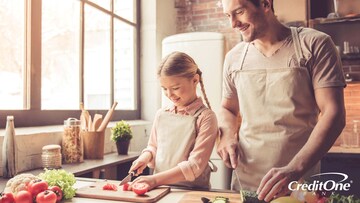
(298,50)
(199,111)
(243,55)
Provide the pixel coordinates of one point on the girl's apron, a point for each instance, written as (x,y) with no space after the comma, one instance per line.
(278,112)
(176,136)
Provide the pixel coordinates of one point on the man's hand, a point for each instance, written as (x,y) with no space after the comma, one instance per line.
(228,149)
(275,183)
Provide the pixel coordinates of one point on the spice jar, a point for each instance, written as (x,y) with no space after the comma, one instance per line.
(51,156)
(72,142)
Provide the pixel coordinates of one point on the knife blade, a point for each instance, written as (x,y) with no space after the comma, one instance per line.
(240,186)
(127,178)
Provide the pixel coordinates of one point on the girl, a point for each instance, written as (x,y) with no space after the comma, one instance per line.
(183,135)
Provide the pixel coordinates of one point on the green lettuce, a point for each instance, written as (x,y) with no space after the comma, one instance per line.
(61,178)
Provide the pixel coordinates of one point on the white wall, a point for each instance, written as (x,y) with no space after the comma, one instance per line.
(158,20)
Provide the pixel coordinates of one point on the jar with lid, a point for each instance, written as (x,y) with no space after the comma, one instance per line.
(51,156)
(352,139)
(72,142)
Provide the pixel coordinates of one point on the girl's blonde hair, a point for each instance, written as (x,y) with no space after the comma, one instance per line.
(181,65)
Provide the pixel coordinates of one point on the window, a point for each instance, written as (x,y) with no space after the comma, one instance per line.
(56,54)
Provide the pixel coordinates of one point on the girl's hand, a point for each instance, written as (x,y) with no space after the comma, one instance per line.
(140,163)
(148,180)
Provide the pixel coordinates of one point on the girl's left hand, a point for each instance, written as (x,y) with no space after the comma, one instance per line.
(148,180)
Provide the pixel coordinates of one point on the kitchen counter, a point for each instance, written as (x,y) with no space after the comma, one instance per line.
(78,169)
(175,194)
(344,150)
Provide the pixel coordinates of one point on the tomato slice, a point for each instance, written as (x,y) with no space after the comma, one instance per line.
(140,188)
(126,187)
(110,186)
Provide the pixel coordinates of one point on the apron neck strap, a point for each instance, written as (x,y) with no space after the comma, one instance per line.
(242,58)
(298,50)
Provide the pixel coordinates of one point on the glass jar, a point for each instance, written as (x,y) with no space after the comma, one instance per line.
(356,133)
(72,142)
(352,139)
(51,156)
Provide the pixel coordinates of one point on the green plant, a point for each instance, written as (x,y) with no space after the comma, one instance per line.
(121,132)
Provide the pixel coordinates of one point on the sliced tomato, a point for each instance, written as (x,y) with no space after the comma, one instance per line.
(126,187)
(110,186)
(140,188)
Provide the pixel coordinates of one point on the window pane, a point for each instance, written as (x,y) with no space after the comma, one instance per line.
(97,59)
(12,35)
(126,9)
(124,65)
(103,3)
(60,54)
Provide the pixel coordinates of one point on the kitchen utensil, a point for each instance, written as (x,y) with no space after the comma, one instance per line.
(89,124)
(107,118)
(195,196)
(84,118)
(94,143)
(96,122)
(127,178)
(94,190)
(240,186)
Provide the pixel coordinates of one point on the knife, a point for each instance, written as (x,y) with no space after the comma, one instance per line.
(240,186)
(127,178)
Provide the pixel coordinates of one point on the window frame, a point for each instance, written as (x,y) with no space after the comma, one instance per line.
(32,115)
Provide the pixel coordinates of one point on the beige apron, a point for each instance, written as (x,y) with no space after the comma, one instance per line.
(176,136)
(278,112)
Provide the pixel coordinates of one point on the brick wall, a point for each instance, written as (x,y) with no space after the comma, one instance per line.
(352,106)
(205,16)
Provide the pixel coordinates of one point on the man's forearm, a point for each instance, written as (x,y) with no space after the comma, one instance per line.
(320,141)
(228,123)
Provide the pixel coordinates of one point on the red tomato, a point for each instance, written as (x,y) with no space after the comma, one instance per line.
(126,187)
(7,197)
(57,190)
(37,186)
(46,196)
(110,186)
(139,188)
(23,196)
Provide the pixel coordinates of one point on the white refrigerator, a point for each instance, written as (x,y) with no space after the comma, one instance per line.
(208,51)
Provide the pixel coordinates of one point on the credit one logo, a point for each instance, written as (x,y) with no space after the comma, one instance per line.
(328,185)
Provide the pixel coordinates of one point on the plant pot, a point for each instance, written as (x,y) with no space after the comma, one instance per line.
(122,147)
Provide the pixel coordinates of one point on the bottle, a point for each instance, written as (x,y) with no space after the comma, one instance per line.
(8,149)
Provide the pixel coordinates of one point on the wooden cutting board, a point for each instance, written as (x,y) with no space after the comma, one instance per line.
(94,190)
(195,196)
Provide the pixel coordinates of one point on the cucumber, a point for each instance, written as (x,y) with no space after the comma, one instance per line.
(219,199)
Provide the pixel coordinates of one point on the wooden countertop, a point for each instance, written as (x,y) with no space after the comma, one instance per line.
(175,194)
(87,166)
(344,150)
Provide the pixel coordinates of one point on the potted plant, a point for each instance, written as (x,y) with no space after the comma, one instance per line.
(121,134)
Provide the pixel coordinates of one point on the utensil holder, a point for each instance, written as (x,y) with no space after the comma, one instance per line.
(93,144)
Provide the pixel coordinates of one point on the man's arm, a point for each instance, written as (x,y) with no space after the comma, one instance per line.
(331,123)
(228,146)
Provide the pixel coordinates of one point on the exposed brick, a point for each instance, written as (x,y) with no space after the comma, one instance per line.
(204,11)
(199,17)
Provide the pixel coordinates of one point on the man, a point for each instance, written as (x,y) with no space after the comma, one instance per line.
(279,80)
